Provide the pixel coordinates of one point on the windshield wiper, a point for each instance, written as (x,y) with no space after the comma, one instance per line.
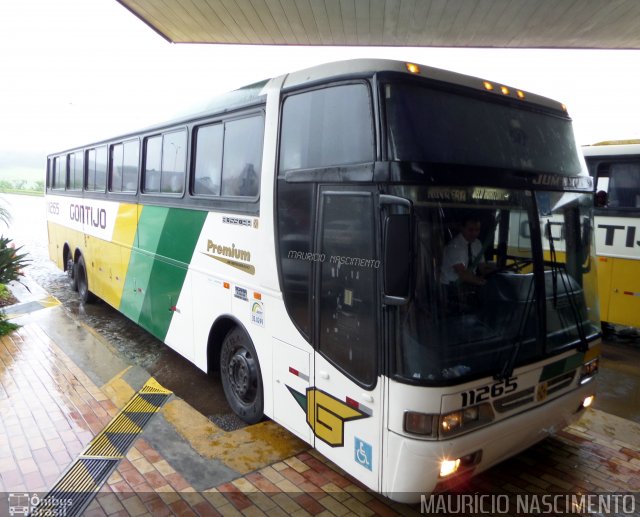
(583,344)
(507,367)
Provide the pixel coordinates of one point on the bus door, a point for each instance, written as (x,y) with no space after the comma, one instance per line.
(345,407)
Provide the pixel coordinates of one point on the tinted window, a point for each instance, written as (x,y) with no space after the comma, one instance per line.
(76,170)
(348,284)
(242,157)
(165,163)
(60,172)
(97,168)
(152,168)
(130,166)
(332,126)
(295,226)
(174,160)
(621,183)
(428,125)
(208,168)
(124,167)
(115,181)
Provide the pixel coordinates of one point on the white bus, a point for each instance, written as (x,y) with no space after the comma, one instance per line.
(291,236)
(616,169)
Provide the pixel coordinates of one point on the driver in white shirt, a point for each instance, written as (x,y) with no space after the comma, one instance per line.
(463,256)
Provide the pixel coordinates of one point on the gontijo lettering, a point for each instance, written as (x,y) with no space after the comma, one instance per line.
(86,214)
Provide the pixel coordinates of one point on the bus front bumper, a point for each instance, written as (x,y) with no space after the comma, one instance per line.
(412,467)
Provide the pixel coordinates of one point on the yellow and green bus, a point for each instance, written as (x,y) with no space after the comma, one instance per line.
(291,236)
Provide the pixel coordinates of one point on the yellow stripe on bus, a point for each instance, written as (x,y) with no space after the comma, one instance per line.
(124,234)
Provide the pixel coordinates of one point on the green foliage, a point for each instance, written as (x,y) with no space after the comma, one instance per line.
(4,292)
(22,186)
(11,262)
(6,327)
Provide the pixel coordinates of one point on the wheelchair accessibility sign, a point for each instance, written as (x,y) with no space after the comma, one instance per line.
(363,453)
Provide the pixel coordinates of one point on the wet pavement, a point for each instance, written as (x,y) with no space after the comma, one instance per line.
(619,379)
(70,371)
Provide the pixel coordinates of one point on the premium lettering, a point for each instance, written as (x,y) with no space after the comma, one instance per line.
(228,251)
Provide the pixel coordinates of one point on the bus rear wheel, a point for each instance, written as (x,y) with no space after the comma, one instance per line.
(241,377)
(80,274)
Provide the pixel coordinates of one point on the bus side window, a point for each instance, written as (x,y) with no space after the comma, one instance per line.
(174,162)
(325,127)
(624,185)
(242,156)
(208,160)
(76,170)
(115,172)
(59,172)
(130,166)
(152,167)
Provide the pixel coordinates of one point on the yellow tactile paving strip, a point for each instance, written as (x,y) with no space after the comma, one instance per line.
(20,309)
(82,480)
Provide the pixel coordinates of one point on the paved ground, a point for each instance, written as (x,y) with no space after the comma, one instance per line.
(61,386)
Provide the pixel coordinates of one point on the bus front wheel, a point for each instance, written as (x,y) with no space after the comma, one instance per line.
(241,378)
(83,284)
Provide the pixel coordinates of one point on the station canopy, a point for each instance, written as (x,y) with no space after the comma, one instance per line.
(606,24)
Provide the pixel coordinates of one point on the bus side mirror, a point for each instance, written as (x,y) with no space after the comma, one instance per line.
(396,251)
(397,259)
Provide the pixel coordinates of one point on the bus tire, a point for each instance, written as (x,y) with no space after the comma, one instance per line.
(241,377)
(83,283)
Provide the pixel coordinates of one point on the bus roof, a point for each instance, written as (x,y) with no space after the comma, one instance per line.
(611,150)
(370,66)
(256,92)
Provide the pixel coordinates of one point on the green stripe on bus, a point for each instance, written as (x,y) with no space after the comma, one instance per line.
(162,264)
(150,225)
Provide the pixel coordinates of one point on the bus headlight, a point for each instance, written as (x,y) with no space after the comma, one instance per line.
(463,419)
(451,422)
(588,370)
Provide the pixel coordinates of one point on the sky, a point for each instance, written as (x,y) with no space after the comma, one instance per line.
(77,71)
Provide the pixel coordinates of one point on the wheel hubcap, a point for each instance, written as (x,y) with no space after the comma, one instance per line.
(241,374)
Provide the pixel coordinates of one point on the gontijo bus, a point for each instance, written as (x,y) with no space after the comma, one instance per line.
(616,169)
(291,237)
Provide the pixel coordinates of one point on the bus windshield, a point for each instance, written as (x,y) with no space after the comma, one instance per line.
(527,290)
(487,133)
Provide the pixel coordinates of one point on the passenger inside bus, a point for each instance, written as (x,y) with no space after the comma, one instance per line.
(601,199)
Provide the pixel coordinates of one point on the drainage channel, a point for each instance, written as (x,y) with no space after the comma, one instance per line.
(82,480)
